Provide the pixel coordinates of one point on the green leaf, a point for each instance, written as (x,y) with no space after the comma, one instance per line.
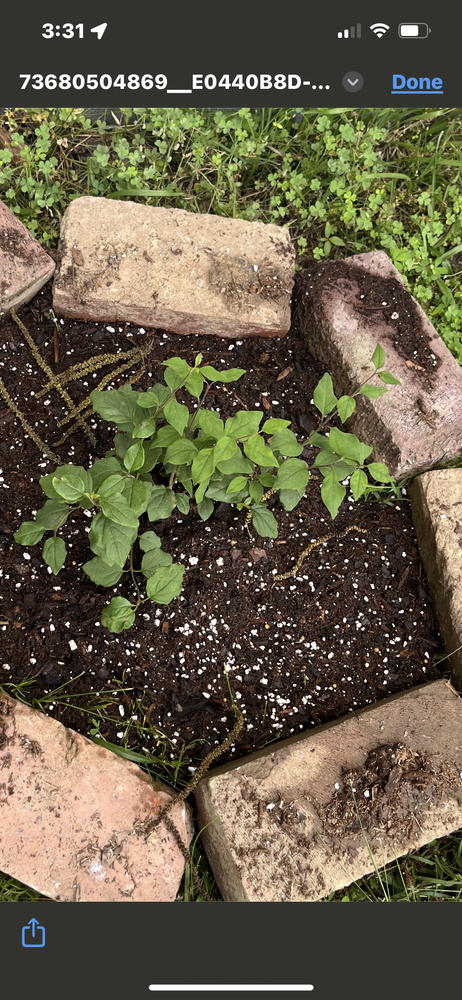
(318,440)
(122,442)
(116,509)
(389,378)
(161,504)
(266,479)
(46,482)
(226,449)
(200,491)
(325,458)
(213,375)
(237,484)
(348,446)
(255,491)
(358,483)
(178,365)
(203,465)
(165,583)
(324,397)
(205,509)
(149,540)
(173,380)
(194,384)
(293,474)
(182,502)
(181,452)
(372,391)
(137,493)
(53,514)
(153,398)
(238,465)
(113,485)
(258,451)
(118,406)
(103,468)
(243,424)
(378,357)
(286,443)
(102,574)
(379,472)
(111,541)
(332,494)
(211,423)
(29,533)
(274,424)
(72,484)
(54,554)
(177,415)
(145,429)
(264,521)
(118,615)
(152,453)
(165,436)
(134,457)
(290,498)
(153,559)
(345,407)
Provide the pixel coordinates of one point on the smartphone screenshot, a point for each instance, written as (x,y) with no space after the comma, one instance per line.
(231,499)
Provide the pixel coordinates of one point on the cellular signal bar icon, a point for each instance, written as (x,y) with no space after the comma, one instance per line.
(353,32)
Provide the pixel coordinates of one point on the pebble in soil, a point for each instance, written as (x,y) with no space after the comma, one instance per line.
(354,625)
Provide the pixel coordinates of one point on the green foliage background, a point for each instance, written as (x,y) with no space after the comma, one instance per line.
(344,181)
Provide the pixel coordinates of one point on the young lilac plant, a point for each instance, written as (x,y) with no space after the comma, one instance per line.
(166,456)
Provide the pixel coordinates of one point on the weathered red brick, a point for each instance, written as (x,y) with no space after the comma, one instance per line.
(24,264)
(298,822)
(342,315)
(174,270)
(437,513)
(73,816)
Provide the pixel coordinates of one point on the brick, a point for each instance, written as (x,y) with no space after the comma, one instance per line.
(436,503)
(73,816)
(24,264)
(416,424)
(285,825)
(174,270)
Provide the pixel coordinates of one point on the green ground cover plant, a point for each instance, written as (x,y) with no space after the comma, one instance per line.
(200,459)
(343,180)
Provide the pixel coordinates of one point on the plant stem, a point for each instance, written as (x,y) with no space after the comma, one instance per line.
(135,581)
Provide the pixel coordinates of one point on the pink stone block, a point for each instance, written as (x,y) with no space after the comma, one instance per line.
(173,270)
(343,309)
(24,264)
(74,817)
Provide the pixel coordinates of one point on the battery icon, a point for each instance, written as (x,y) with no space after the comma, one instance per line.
(420,30)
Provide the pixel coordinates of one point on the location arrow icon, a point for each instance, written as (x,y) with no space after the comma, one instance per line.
(99,30)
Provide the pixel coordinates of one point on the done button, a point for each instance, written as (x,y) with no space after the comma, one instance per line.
(417,84)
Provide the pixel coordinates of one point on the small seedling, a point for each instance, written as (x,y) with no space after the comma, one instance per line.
(166,456)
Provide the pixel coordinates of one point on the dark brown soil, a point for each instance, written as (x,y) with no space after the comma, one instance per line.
(354,625)
(390,793)
(378,300)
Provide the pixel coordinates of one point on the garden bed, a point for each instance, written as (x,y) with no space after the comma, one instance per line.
(352,626)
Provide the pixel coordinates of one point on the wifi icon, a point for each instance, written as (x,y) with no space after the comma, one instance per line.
(379,29)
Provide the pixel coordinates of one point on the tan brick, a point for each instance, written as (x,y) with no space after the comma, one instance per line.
(73,816)
(294,824)
(437,512)
(174,270)
(416,424)
(24,264)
